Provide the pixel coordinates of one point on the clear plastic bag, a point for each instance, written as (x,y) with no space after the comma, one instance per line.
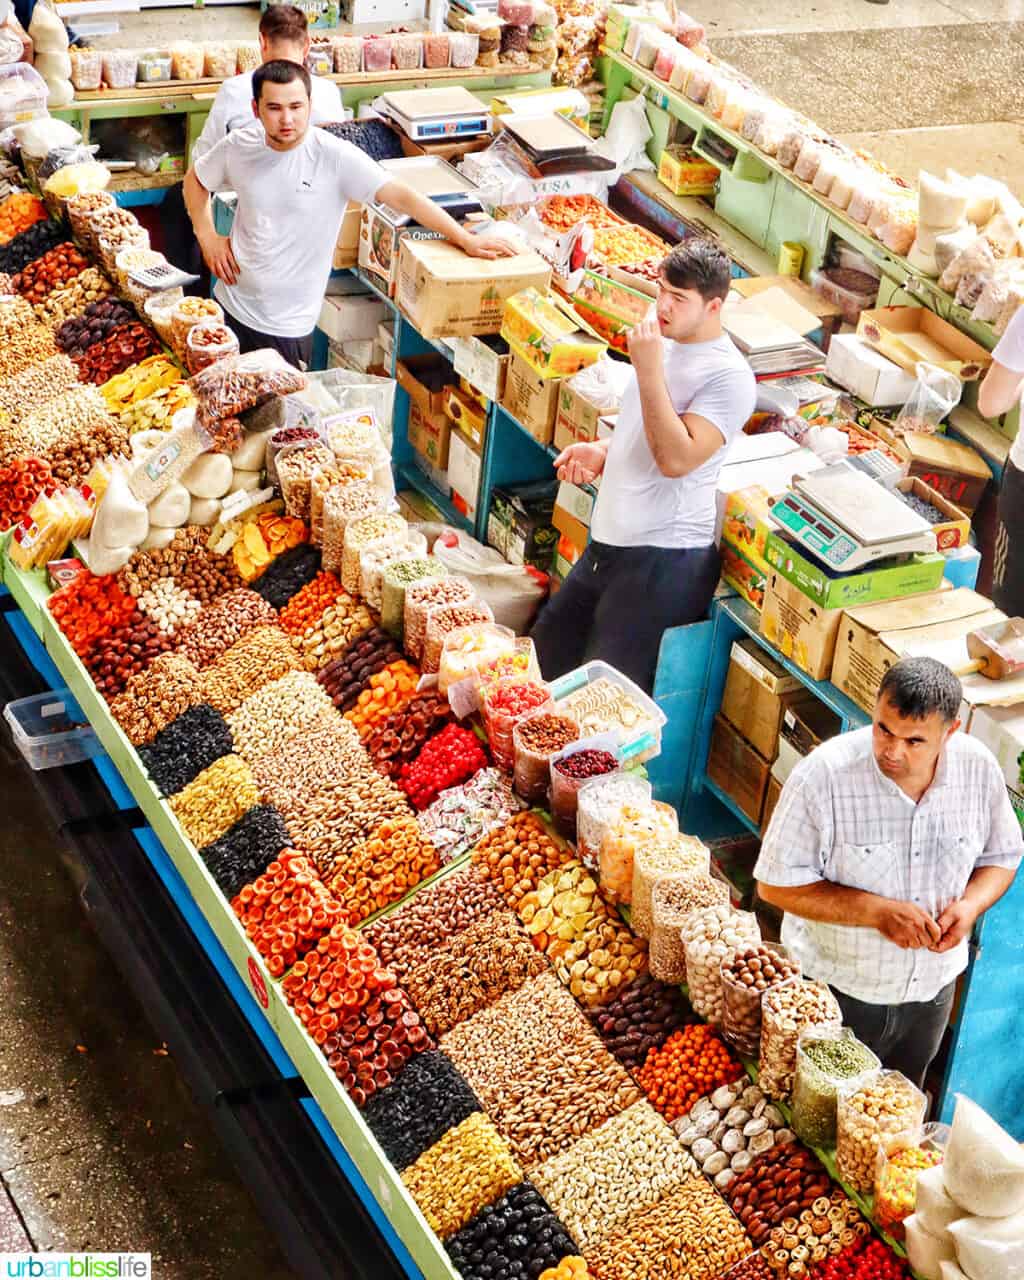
(247,57)
(465,47)
(348,55)
(598,806)
(935,394)
(191,311)
(868,1112)
(237,383)
(567,779)
(159,310)
(901,1162)
(786,1011)
(535,740)
(206,343)
(396,578)
(187,60)
(220,60)
(377,53)
(407,50)
(442,619)
(86,69)
(377,530)
(342,504)
(709,935)
(673,856)
(637,827)
(807,162)
(742,1023)
(120,68)
(464,648)
(321,481)
(295,468)
(421,597)
(976,260)
(927,1253)
(671,907)
(824,1061)
(500,720)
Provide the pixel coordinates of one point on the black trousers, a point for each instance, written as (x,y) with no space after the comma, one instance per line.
(618,601)
(905,1036)
(297,351)
(1008,562)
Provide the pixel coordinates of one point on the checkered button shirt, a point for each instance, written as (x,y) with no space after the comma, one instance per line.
(840,819)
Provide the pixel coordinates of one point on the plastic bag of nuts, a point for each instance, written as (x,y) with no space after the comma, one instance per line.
(868,1111)
(598,805)
(344,503)
(378,530)
(420,597)
(295,468)
(636,827)
(191,311)
(786,1010)
(825,1059)
(672,903)
(746,976)
(442,619)
(207,342)
(679,857)
(536,739)
(709,935)
(397,576)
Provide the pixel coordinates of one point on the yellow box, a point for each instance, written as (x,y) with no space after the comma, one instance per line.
(685,173)
(545,336)
(469,416)
(748,522)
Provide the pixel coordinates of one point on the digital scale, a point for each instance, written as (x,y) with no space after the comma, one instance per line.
(848,521)
(435,115)
(879,466)
(436,179)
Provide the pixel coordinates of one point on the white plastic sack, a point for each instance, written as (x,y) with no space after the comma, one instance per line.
(933,1207)
(625,139)
(39,137)
(514,592)
(990,1249)
(336,390)
(950,1271)
(47,30)
(603,384)
(984,1167)
(927,1252)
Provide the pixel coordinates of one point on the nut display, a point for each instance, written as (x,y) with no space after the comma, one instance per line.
(287,910)
(518,856)
(36,385)
(326,645)
(466,1169)
(342,505)
(70,300)
(868,1112)
(127,650)
(155,697)
(77,334)
(186,747)
(728,1129)
(518,1235)
(221,623)
(188,560)
(692,1062)
(206,343)
(798,1245)
(671,857)
(752,1267)
(450,757)
(427,1098)
(535,740)
(54,269)
(246,848)
(25,346)
(779,1185)
(397,576)
(442,621)
(261,655)
(710,934)
(786,1011)
(627,1164)
(307,605)
(399,740)
(281,710)
(824,1062)
(639,1019)
(691,1233)
(461,817)
(229,386)
(382,870)
(420,598)
(746,976)
(215,799)
(170,608)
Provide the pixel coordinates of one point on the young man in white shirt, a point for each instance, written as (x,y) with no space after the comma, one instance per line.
(652,562)
(293,184)
(886,846)
(1002,391)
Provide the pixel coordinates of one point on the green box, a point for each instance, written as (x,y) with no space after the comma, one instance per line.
(919,574)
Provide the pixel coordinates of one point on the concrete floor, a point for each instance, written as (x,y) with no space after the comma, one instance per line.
(100,1146)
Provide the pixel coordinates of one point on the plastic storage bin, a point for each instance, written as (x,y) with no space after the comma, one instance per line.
(50,730)
(603,700)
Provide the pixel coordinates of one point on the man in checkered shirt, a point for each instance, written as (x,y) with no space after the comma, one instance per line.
(886,846)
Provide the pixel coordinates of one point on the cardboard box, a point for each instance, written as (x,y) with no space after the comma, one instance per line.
(686,173)
(445,293)
(870,376)
(872,638)
(745,575)
(807,725)
(531,399)
(572,530)
(610,306)
(468,415)
(955,530)
(379,240)
(918,575)
(757,692)
(351,317)
(430,434)
(1001,729)
(548,337)
(437,476)
(483,363)
(786,761)
(906,335)
(736,767)
(956,471)
(748,521)
(346,248)
(567,553)
(444,150)
(799,627)
(577,501)
(771,800)
(427,379)
(828,314)
(464,465)
(577,417)
(520,518)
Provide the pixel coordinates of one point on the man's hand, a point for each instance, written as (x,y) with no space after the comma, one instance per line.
(645,344)
(905,924)
(220,257)
(491,246)
(955,923)
(580,463)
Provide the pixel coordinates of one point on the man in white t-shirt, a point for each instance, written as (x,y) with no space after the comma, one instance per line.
(652,562)
(293,184)
(1001,391)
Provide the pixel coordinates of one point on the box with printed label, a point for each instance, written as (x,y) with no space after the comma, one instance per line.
(380,237)
(467,414)
(873,638)
(747,521)
(464,473)
(906,335)
(483,362)
(1001,729)
(955,530)
(547,336)
(757,692)
(799,627)
(577,417)
(427,379)
(686,173)
(735,767)
(523,518)
(746,576)
(531,399)
(346,248)
(430,435)
(956,471)
(919,574)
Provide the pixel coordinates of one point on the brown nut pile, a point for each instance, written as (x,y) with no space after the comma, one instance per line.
(471,1166)
(188,560)
(690,1234)
(519,856)
(786,1010)
(799,1244)
(629,1163)
(71,431)
(272,716)
(479,965)
(351,671)
(155,697)
(882,1106)
(420,598)
(639,1018)
(378,529)
(16,314)
(71,299)
(295,471)
(746,976)
(726,1131)
(215,800)
(222,622)
(36,385)
(752,1267)
(326,639)
(260,656)
(124,652)
(25,345)
(56,268)
(325,755)
(411,935)
(780,1184)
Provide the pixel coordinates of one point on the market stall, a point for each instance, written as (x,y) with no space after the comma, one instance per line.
(500,926)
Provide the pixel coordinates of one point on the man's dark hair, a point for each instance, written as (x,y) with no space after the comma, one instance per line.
(284,22)
(916,687)
(279,72)
(698,263)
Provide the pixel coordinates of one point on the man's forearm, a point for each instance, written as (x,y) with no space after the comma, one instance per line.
(199,206)
(825,902)
(426,213)
(986,886)
(667,436)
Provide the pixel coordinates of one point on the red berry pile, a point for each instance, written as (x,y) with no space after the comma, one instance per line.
(450,757)
(869,1259)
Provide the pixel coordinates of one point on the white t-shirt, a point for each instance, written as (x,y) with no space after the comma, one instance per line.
(232,109)
(1009,352)
(290,205)
(639,507)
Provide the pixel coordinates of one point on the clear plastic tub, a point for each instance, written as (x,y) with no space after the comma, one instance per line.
(86,69)
(50,730)
(320,62)
(377,53)
(187,61)
(436,50)
(192,311)
(853,291)
(348,55)
(154,66)
(219,61)
(603,700)
(247,57)
(120,68)
(565,788)
(407,50)
(464,47)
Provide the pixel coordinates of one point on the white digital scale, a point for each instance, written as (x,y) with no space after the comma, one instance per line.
(435,115)
(847,520)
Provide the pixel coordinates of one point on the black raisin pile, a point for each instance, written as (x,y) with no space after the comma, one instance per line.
(516,1238)
(186,747)
(245,850)
(428,1097)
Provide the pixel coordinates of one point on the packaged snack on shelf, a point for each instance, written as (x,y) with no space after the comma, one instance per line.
(377,53)
(86,69)
(320,61)
(219,60)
